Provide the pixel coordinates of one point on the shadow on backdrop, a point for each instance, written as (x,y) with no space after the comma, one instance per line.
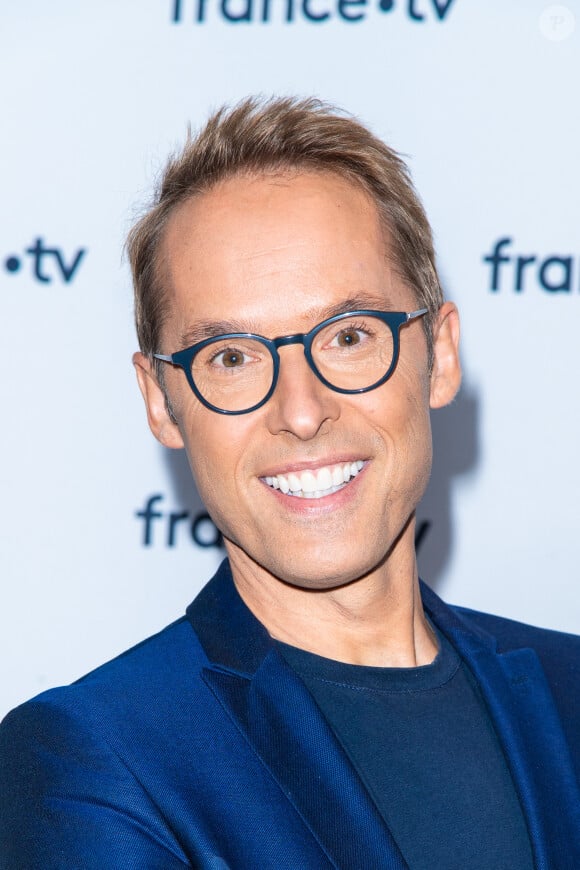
(455,453)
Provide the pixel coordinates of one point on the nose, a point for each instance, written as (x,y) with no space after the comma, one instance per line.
(301,403)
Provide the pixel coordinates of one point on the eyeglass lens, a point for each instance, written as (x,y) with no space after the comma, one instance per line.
(351,354)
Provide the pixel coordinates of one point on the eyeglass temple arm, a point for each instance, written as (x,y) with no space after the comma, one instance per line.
(163,357)
(418,313)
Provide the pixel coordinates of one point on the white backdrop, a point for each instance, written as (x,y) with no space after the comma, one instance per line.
(483,99)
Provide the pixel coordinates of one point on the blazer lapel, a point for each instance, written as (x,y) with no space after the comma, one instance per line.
(289,734)
(521,706)
(293,740)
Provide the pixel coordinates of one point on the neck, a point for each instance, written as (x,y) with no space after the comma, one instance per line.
(376,620)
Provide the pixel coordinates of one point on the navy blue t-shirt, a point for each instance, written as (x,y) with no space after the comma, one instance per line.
(422,742)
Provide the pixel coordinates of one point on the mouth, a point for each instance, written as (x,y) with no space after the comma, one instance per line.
(315,483)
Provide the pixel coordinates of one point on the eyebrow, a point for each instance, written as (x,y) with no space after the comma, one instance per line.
(204,329)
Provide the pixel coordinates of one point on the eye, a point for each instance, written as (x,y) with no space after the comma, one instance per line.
(348,337)
(230,358)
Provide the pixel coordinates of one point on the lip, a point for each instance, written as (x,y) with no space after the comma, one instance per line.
(311,465)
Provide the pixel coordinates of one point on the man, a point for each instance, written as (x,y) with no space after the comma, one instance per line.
(316,707)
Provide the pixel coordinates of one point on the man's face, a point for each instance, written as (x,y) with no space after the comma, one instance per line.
(276,255)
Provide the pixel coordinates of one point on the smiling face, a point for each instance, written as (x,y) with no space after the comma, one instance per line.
(275,255)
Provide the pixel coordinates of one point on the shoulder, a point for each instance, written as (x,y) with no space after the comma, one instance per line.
(557,652)
(79,764)
(146,677)
(155,659)
(556,649)
(124,716)
(147,692)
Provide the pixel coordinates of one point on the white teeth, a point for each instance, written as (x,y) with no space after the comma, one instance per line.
(337,475)
(323,479)
(294,482)
(307,483)
(315,484)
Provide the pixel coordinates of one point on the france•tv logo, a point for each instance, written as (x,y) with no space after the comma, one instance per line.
(47,263)
(555,273)
(309,11)
(174,527)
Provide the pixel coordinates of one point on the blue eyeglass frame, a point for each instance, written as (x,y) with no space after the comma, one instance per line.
(394,320)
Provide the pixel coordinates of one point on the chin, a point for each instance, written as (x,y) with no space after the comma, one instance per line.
(318,573)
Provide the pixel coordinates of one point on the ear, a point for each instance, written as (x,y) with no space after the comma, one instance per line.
(160,423)
(446,372)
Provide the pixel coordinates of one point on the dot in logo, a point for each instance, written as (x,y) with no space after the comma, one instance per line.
(12,264)
(386,5)
(557,22)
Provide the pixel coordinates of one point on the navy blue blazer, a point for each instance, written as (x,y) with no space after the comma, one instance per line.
(200,747)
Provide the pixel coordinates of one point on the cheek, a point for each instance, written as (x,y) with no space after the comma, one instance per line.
(216,446)
(405,426)
(417,448)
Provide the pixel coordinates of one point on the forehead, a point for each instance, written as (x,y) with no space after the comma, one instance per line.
(262,248)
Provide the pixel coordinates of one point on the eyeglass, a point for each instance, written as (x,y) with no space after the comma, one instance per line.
(236,373)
